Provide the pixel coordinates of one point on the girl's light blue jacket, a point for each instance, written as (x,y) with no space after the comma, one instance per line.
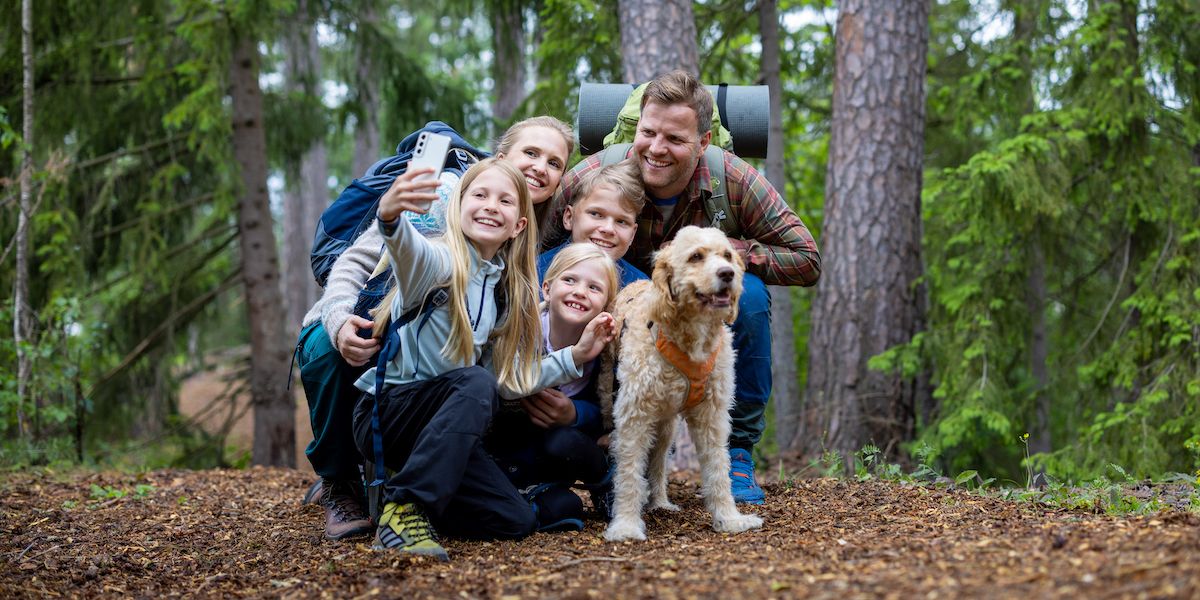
(421,265)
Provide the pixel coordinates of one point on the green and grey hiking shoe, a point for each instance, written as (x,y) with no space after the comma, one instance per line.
(405,527)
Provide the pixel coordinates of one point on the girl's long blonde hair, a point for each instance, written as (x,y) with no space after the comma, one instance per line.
(517,337)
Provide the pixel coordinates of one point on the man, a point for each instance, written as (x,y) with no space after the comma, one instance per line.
(673,132)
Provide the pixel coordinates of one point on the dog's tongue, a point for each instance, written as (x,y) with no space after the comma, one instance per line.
(720,299)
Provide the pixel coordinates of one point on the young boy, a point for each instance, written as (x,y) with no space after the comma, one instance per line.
(604,211)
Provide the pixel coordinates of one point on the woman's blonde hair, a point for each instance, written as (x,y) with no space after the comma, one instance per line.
(505,143)
(517,336)
(584,251)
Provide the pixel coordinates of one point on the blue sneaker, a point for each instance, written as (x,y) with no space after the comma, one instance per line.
(741,475)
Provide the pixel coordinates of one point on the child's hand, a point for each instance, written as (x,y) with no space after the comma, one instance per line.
(408,193)
(549,408)
(599,331)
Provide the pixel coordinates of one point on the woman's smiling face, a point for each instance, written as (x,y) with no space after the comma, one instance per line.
(540,154)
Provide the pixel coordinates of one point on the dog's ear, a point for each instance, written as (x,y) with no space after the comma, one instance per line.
(663,273)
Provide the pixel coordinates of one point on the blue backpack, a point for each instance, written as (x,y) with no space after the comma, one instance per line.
(355,207)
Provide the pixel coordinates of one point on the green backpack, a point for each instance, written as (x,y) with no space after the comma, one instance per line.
(627,120)
(716,206)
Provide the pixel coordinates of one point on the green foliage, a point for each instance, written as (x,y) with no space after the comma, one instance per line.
(1062,144)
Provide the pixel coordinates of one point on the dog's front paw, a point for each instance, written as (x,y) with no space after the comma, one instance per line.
(621,530)
(737,523)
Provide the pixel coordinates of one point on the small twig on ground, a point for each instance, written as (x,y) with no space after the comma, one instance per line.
(579,561)
(22,555)
(46,551)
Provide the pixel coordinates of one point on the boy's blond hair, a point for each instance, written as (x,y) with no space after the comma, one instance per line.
(574,254)
(624,177)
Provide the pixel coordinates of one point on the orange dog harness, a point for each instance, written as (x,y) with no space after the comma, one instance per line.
(695,373)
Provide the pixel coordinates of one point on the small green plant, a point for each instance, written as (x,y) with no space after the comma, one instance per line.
(828,465)
(106,492)
(69,504)
(865,461)
(925,470)
(1028,465)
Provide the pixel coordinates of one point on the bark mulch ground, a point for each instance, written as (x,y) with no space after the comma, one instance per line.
(244,534)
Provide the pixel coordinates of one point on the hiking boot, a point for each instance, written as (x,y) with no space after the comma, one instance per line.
(313,495)
(344,512)
(405,528)
(741,476)
(556,507)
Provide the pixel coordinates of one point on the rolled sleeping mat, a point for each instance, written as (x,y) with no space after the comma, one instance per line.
(745,111)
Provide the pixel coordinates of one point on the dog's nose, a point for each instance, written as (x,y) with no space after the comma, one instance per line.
(726,274)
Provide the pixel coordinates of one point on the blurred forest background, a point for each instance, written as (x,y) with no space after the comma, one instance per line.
(1006,194)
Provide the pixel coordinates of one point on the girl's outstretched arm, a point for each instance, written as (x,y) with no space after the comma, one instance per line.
(419,264)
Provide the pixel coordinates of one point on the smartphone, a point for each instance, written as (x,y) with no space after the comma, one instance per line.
(430,152)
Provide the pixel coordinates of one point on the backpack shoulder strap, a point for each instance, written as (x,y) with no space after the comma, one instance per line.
(716,206)
(614,154)
(434,298)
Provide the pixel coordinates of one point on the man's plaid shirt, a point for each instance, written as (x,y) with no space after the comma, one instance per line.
(775,244)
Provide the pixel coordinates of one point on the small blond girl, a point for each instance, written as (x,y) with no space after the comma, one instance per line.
(551,444)
(424,415)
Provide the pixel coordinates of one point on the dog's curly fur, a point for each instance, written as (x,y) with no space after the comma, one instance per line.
(692,297)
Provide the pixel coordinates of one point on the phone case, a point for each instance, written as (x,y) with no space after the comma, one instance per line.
(430,152)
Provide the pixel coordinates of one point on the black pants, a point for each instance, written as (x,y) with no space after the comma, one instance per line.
(431,438)
(530,454)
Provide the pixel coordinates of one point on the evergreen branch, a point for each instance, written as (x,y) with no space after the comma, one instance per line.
(203,237)
(1162,255)
(142,347)
(41,195)
(1112,300)
(133,223)
(127,152)
(207,235)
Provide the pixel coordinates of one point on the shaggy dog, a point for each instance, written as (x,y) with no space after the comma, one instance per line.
(675,355)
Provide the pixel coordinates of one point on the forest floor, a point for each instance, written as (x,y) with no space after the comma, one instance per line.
(244,533)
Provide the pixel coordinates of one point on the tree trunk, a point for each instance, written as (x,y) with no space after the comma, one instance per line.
(784,393)
(867,300)
(22,320)
(366,133)
(307,193)
(1024,31)
(274,422)
(657,36)
(508,67)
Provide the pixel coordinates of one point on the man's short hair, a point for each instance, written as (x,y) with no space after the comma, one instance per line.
(679,87)
(625,177)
